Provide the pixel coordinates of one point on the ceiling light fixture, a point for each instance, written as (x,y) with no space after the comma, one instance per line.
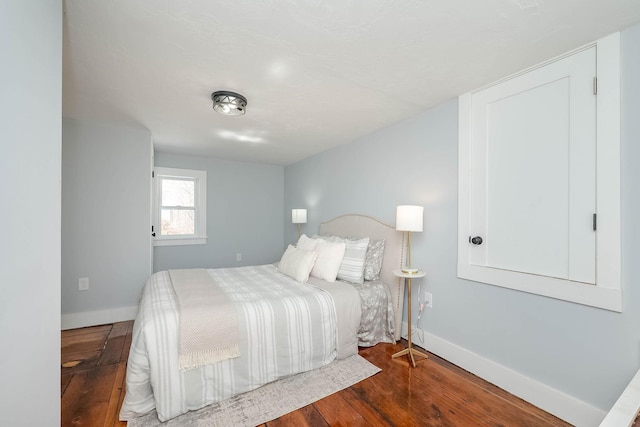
(229,103)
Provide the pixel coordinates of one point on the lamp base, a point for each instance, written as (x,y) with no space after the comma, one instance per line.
(409,270)
(412,352)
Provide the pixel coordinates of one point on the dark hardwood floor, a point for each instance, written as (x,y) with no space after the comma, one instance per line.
(436,393)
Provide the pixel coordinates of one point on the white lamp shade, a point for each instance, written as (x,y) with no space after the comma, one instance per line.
(409,218)
(299,216)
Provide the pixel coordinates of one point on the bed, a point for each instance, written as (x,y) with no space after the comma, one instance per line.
(283,327)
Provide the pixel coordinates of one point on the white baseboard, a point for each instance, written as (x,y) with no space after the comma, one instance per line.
(97,317)
(554,401)
(625,410)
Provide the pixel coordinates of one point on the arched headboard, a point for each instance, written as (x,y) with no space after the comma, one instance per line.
(394,254)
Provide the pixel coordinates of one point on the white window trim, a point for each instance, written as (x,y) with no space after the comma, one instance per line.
(200,179)
(607,292)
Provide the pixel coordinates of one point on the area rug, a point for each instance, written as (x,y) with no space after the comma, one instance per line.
(272,400)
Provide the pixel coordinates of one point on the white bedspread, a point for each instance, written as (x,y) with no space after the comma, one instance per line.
(286,327)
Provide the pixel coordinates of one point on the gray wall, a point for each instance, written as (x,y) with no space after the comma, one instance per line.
(106,225)
(586,352)
(30,114)
(244,215)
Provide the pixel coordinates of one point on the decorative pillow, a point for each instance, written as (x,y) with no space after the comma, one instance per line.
(352,267)
(329,259)
(297,263)
(307,244)
(373,261)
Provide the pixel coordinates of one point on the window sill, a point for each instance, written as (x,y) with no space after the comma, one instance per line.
(179,241)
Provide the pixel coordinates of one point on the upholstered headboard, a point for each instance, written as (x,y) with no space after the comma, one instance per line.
(394,253)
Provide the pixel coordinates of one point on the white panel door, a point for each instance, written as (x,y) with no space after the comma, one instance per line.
(533,171)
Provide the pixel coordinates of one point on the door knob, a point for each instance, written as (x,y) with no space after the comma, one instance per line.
(477,240)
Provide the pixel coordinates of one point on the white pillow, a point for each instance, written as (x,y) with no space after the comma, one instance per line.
(306,243)
(329,259)
(297,263)
(352,266)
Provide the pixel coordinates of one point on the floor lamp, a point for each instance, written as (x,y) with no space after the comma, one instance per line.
(409,218)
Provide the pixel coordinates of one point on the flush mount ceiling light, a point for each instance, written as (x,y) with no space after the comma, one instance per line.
(229,103)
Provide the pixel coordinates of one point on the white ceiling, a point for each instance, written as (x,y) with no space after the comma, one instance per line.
(316,74)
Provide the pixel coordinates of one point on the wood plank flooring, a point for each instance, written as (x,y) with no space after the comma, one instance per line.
(436,393)
(94,363)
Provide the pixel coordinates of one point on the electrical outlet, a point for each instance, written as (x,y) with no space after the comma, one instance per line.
(83,284)
(238,257)
(428,299)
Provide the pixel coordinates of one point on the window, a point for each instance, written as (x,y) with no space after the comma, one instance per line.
(180,207)
(539,179)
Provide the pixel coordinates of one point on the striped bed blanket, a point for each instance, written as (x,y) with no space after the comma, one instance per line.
(285,327)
